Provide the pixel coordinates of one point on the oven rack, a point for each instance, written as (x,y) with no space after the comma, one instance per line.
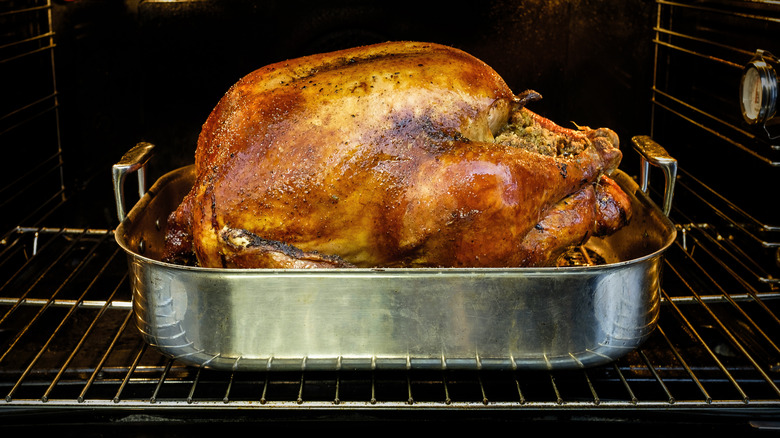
(67,339)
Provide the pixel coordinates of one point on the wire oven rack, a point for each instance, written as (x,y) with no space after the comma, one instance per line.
(68,341)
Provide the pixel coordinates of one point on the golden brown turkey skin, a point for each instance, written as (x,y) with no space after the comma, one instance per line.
(386,155)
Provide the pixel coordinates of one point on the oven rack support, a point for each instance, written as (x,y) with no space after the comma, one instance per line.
(698,115)
(713,48)
(30,112)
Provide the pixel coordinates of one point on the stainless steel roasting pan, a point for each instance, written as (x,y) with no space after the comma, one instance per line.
(362,319)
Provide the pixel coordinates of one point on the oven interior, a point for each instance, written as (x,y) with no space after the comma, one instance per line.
(84,80)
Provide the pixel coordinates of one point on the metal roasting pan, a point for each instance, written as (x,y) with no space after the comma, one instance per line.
(363,319)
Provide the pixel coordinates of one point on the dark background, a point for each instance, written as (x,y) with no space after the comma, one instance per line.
(130,70)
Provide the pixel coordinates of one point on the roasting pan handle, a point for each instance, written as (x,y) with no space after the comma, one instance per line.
(652,153)
(133,161)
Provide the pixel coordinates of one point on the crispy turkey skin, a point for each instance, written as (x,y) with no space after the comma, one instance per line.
(402,154)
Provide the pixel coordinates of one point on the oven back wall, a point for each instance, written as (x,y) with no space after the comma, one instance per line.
(153,70)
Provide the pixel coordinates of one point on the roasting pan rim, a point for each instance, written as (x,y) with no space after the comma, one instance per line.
(669,234)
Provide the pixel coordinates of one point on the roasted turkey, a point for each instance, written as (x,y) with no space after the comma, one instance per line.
(402,154)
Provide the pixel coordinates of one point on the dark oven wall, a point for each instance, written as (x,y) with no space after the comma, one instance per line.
(132,70)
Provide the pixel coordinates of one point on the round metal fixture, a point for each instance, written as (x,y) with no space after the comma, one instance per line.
(758,89)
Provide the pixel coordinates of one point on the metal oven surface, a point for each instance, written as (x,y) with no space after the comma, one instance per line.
(70,353)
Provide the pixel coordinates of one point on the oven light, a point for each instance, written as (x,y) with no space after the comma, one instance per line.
(758,89)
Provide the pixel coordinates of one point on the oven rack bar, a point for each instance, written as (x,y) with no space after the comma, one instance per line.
(728,224)
(761,232)
(731,242)
(23,41)
(123,304)
(30,52)
(727,47)
(667,102)
(29,112)
(487,405)
(25,10)
(440,385)
(37,174)
(734,12)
